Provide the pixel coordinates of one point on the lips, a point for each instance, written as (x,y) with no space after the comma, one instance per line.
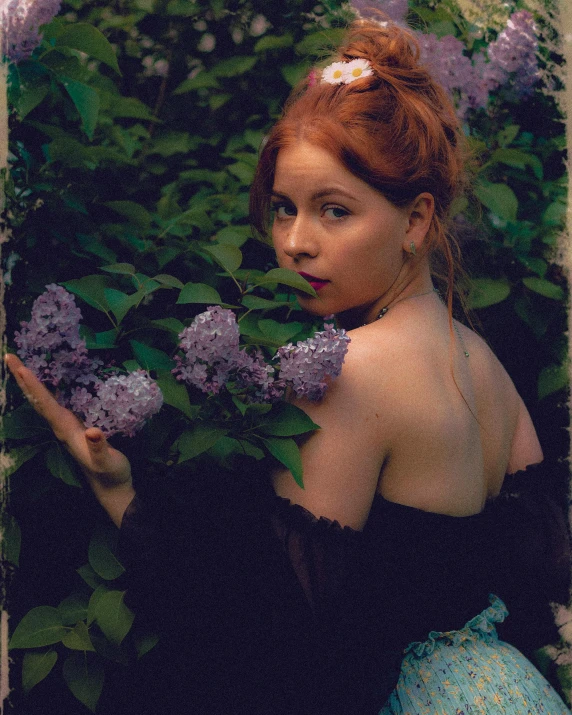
(316,283)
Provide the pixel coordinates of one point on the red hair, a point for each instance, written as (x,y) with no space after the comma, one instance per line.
(396,130)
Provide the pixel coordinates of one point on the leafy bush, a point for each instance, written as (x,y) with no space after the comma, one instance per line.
(134,133)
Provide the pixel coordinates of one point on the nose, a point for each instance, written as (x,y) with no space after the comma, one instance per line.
(299,239)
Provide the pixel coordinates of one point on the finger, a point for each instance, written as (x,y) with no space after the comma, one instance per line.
(61,421)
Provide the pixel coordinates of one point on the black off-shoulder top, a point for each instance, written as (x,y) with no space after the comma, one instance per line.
(264,608)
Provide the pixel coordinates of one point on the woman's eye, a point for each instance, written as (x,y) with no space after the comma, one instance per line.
(283,211)
(335,212)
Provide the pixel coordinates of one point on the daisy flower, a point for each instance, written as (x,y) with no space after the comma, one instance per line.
(356,69)
(335,73)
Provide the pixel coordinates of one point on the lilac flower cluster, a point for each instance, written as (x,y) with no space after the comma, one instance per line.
(20,21)
(454,71)
(511,62)
(513,56)
(212,359)
(122,403)
(306,365)
(50,345)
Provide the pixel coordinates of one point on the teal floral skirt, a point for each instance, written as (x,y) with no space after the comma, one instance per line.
(470,672)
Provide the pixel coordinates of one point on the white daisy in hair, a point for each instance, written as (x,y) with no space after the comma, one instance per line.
(334,73)
(356,69)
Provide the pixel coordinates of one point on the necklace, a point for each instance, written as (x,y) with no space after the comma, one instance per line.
(383,311)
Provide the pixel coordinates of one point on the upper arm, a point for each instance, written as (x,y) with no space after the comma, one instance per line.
(343,459)
(525,448)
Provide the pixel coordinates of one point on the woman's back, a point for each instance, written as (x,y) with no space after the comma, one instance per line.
(424,425)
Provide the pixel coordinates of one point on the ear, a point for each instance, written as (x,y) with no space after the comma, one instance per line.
(420,213)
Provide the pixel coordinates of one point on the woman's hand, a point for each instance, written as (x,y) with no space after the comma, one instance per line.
(107,470)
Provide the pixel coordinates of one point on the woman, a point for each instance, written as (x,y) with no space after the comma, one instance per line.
(398,537)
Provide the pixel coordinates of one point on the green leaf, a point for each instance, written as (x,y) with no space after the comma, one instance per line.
(113,616)
(287,420)
(73,608)
(203,80)
(132,211)
(131,107)
(125,269)
(36,667)
(39,627)
(216,101)
(544,287)
(94,600)
(89,576)
(78,638)
(174,393)
(84,676)
(253,302)
(168,280)
(286,451)
(288,278)
(292,74)
(86,101)
(99,341)
(23,423)
(91,289)
(273,42)
(59,466)
(87,38)
(519,159)
(226,255)
(508,134)
(32,96)
(199,293)
(121,303)
(150,358)
(487,291)
(145,642)
(15,458)
(321,42)
(280,332)
(10,539)
(233,66)
(171,324)
(101,553)
(196,441)
(498,198)
(553,378)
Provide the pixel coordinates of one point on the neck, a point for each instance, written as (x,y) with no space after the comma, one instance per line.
(418,285)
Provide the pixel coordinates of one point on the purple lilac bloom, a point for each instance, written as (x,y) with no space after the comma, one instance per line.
(211,350)
(454,71)
(257,377)
(20,21)
(305,366)
(394,9)
(121,403)
(213,358)
(50,344)
(513,56)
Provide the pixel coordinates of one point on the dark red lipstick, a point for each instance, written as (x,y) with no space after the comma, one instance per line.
(316,283)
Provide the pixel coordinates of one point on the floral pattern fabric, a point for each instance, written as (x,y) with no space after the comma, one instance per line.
(471,672)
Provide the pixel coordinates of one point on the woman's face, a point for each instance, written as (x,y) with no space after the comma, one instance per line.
(337,231)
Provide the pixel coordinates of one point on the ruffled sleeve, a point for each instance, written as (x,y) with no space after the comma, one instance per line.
(532,558)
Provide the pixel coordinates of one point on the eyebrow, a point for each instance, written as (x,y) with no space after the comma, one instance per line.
(328,191)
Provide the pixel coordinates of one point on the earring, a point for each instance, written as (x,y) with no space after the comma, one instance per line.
(412,248)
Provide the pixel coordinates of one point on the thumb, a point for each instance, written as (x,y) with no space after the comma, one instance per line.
(95,440)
